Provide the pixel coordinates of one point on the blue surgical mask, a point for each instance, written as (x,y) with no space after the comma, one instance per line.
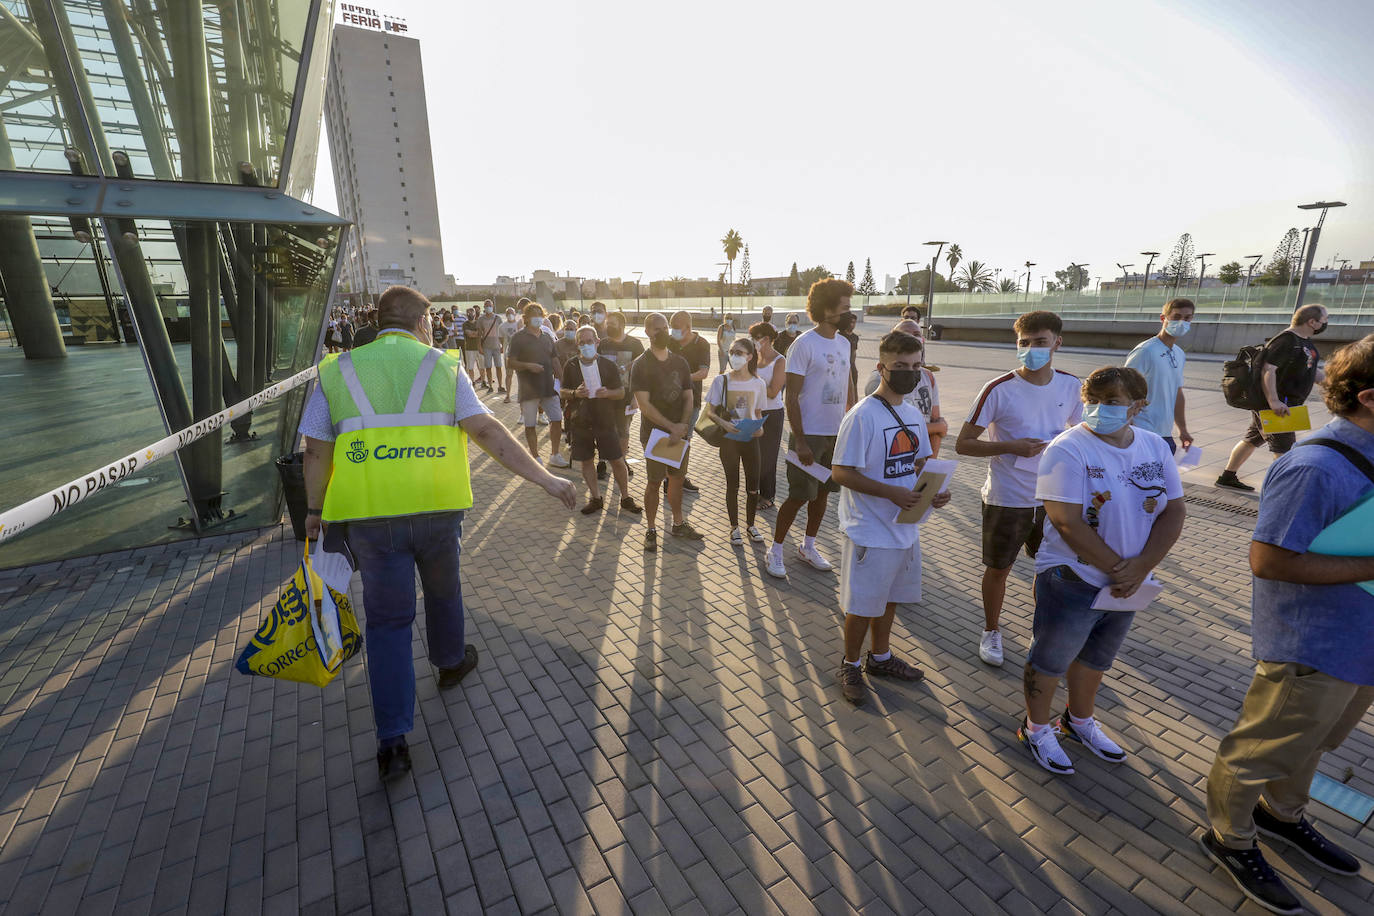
(677,333)
(1106,418)
(570,334)
(1034,357)
(1177,328)
(599,317)
(588,351)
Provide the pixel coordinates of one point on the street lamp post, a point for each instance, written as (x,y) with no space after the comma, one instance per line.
(1322,205)
(1124,277)
(1145,284)
(930,283)
(722,288)
(1249,275)
(1029,265)
(909,279)
(638,275)
(1202,271)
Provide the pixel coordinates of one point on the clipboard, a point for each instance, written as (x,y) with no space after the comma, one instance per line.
(934,480)
(1351,535)
(658,449)
(1296,421)
(747,428)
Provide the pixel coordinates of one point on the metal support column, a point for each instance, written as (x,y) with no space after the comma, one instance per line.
(28,297)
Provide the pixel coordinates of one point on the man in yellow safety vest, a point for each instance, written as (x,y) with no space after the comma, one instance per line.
(395,492)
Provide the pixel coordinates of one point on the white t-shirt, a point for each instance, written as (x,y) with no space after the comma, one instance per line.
(924,397)
(746,398)
(824,364)
(1122,491)
(507,329)
(766,373)
(875,445)
(1010,407)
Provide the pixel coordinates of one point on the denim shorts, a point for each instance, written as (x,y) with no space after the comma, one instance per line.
(1066,628)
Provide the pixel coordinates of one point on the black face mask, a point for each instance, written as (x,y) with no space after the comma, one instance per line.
(662,340)
(903,381)
(1320,329)
(845,323)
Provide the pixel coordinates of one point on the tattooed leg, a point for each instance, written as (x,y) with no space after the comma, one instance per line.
(1039,693)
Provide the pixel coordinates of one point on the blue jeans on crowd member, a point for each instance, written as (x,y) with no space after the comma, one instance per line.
(1065,628)
(388,552)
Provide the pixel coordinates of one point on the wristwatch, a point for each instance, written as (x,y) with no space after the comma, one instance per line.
(310,512)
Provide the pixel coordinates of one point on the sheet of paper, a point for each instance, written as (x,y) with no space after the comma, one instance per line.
(1296,421)
(661,451)
(934,480)
(1148,591)
(1188,458)
(815,468)
(631,409)
(747,428)
(1351,535)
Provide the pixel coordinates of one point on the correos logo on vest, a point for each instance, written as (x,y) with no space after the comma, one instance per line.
(357,451)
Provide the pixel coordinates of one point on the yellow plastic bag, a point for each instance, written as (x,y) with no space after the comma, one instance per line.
(311,631)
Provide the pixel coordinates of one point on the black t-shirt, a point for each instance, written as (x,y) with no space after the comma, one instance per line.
(623,353)
(784,340)
(594,413)
(697,352)
(1295,358)
(533,347)
(853,356)
(366,334)
(665,380)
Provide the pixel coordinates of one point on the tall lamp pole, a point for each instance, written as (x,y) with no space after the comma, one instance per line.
(1202,271)
(1311,254)
(1249,275)
(930,281)
(1124,277)
(909,279)
(638,274)
(1145,284)
(1029,265)
(722,288)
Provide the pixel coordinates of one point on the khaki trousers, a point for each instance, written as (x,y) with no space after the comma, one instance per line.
(1292,715)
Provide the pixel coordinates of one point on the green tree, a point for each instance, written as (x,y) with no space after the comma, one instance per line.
(976,277)
(1229,274)
(1280,267)
(849,274)
(811,275)
(954,256)
(916,281)
(746,275)
(867,287)
(1070,278)
(794,283)
(1178,270)
(732,243)
(1008,285)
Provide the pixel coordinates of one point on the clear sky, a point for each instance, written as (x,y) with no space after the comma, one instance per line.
(612,136)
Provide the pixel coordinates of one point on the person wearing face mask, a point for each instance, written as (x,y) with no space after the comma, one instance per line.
(724,335)
(621,349)
(565,347)
(772,368)
(532,357)
(691,346)
(1161,361)
(1115,506)
(599,317)
(925,397)
(662,385)
(593,395)
(1021,411)
(846,330)
(489,343)
(879,454)
(791,331)
(739,395)
(1290,367)
(509,328)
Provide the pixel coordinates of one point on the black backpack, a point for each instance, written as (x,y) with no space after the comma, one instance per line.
(1240,379)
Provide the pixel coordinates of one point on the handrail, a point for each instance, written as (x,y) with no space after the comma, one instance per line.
(29,515)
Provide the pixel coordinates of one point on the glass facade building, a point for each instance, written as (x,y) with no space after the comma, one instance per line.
(158,258)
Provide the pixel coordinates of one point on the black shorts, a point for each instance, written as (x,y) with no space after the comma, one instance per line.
(1278,442)
(586,442)
(622,424)
(1007,529)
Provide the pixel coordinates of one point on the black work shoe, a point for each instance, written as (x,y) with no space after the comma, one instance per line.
(601,470)
(1303,837)
(1229,480)
(893,667)
(449,677)
(851,681)
(393,761)
(651,541)
(1254,876)
(689,486)
(594,504)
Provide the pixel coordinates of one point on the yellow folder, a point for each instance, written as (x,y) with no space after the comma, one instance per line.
(1296,421)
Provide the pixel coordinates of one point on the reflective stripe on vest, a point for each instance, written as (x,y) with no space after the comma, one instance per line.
(406,462)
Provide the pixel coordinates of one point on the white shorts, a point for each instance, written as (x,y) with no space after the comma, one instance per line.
(553,409)
(873,577)
(472,359)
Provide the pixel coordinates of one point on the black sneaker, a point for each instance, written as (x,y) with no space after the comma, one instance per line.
(1229,480)
(651,541)
(449,677)
(601,470)
(393,761)
(1303,837)
(689,486)
(893,667)
(1254,876)
(851,681)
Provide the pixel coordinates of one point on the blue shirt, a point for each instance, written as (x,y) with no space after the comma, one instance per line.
(1162,367)
(1326,627)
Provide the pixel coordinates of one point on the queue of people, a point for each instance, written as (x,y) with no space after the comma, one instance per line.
(1082,476)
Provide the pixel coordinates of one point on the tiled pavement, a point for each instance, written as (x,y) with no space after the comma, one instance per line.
(646,733)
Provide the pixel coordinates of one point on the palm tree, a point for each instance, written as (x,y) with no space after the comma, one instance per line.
(976,277)
(1008,285)
(732,243)
(954,256)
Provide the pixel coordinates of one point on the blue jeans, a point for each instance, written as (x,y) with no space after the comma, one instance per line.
(1066,629)
(387,552)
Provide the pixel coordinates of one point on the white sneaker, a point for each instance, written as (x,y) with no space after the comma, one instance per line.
(990,647)
(774,564)
(736,539)
(542,421)
(1093,738)
(813,557)
(1045,749)
(560,461)
(755,535)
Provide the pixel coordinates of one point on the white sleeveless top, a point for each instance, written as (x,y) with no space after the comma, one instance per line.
(766,373)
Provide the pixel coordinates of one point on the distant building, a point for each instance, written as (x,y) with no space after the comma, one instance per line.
(769,286)
(379,145)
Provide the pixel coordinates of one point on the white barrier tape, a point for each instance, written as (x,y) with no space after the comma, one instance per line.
(41,508)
